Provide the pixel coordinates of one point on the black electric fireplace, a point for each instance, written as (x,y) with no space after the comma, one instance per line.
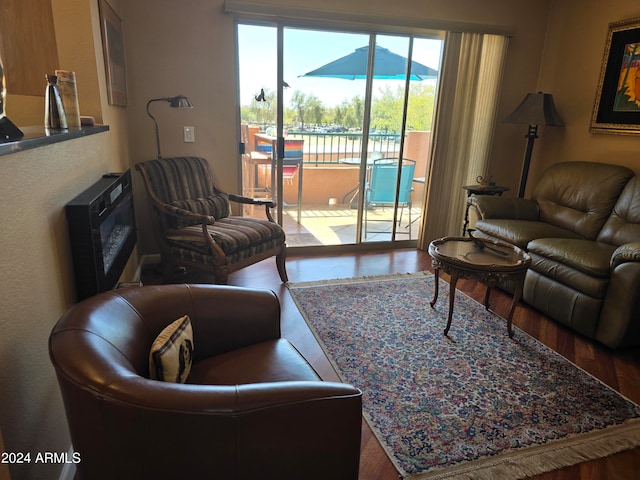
(102,233)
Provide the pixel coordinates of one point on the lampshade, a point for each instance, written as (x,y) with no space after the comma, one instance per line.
(536,109)
(180,102)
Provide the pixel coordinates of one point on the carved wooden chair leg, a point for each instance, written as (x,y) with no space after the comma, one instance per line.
(281,264)
(221,274)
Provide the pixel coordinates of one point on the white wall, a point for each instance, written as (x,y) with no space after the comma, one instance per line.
(37,287)
(37,282)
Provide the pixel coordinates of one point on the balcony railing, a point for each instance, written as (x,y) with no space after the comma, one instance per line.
(331,148)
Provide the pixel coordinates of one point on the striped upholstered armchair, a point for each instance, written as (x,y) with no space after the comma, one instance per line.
(194,224)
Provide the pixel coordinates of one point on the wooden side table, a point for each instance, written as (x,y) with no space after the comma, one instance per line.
(496,262)
(479,190)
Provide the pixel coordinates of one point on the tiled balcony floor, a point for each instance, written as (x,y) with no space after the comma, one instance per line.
(336,225)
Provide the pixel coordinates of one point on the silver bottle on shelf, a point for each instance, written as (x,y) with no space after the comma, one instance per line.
(54,114)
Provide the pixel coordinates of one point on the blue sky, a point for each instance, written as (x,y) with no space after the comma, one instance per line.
(306,50)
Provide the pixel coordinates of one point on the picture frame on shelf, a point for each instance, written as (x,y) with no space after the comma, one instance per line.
(114,56)
(617,105)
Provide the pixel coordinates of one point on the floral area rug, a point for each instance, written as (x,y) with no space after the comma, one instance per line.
(475,405)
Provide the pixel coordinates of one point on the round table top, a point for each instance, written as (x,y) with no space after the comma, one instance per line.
(465,253)
(370,160)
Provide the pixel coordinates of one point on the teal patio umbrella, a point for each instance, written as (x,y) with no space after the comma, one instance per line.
(387,66)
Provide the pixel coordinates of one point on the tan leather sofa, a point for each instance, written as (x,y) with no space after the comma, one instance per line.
(582,230)
(252,406)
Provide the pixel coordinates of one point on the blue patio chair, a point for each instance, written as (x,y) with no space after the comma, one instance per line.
(381,190)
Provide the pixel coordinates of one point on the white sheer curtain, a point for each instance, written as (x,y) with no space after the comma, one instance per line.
(464,124)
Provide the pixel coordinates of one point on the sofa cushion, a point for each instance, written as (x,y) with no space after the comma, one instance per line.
(579,196)
(521,232)
(490,206)
(623,226)
(231,234)
(172,352)
(580,264)
(269,361)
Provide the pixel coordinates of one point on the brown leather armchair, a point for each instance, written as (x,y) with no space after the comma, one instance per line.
(252,406)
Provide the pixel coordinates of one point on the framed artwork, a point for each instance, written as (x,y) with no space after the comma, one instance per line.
(617,106)
(113,47)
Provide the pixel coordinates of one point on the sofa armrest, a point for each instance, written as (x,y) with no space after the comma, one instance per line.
(307,419)
(629,252)
(618,326)
(244,431)
(223,400)
(506,208)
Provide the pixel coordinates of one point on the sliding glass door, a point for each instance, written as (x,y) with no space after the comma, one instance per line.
(336,129)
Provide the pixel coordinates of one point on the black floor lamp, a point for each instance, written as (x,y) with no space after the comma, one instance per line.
(176,102)
(536,109)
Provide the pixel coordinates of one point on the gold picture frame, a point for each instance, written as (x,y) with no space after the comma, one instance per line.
(617,106)
(114,57)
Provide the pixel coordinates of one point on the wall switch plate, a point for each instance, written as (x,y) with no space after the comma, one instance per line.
(189,134)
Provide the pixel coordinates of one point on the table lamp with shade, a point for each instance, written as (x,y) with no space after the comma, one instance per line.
(536,109)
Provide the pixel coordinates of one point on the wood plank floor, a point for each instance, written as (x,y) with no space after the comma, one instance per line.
(620,370)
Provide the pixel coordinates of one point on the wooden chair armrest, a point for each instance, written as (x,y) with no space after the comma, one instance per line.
(251,201)
(268,204)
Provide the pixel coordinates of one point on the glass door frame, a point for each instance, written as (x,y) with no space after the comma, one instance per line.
(372,32)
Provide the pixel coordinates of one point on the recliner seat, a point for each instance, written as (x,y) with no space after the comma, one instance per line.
(582,230)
